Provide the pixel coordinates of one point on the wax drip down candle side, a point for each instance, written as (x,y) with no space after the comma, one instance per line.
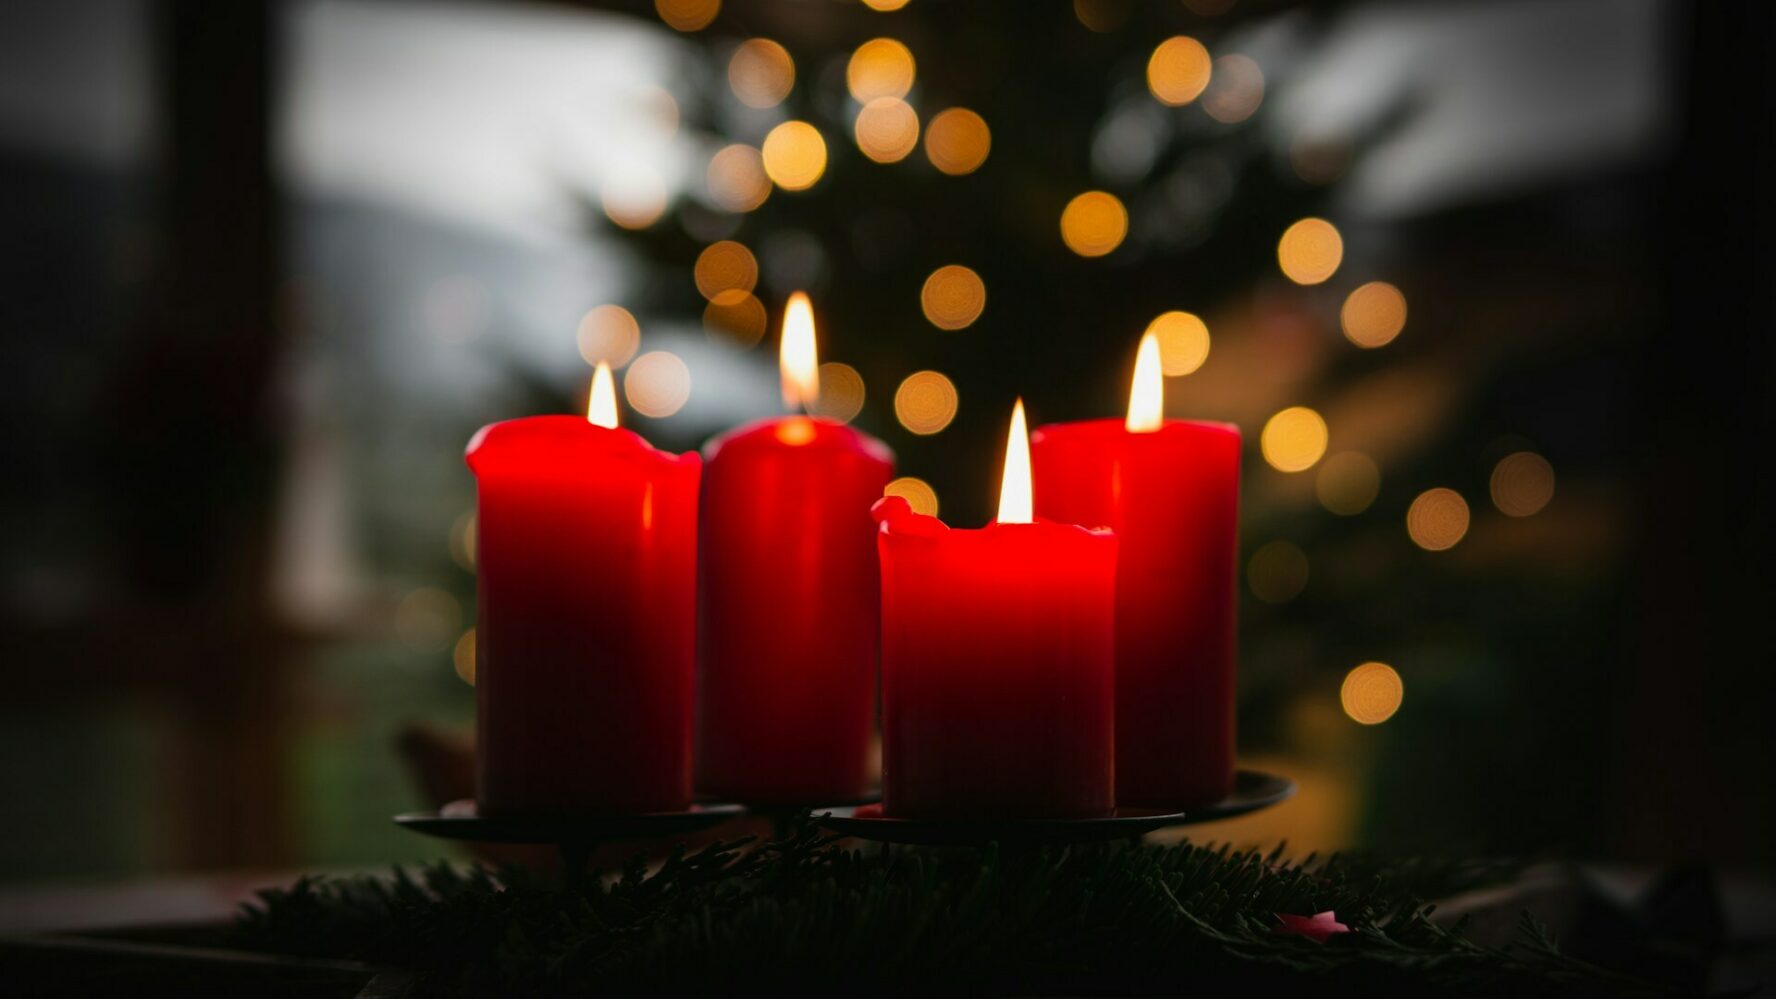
(997,662)
(789,598)
(586,556)
(1170,490)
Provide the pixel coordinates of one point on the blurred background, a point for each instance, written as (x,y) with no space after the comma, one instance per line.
(1484,283)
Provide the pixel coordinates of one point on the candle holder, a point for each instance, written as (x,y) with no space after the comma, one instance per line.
(1252,790)
(574,834)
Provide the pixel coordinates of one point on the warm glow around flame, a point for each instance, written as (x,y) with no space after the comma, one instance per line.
(1147,393)
(796,358)
(602,408)
(1015,504)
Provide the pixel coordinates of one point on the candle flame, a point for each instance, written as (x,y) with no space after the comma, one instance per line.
(601,409)
(796,357)
(1147,392)
(1015,503)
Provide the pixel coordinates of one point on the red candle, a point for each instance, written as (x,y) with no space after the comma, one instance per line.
(587,546)
(997,677)
(1170,490)
(789,599)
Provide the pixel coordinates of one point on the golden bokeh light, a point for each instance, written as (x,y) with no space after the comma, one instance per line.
(463,657)
(1310,251)
(1103,15)
(608,333)
(687,15)
(725,266)
(1277,572)
(1236,88)
(1183,342)
(794,155)
(735,316)
(634,199)
(1522,484)
(925,403)
(1373,314)
(1094,223)
(1178,70)
(761,73)
(1293,440)
(841,393)
(736,178)
(953,297)
(1437,519)
(1371,693)
(1347,483)
(427,619)
(887,129)
(917,492)
(881,67)
(657,384)
(462,540)
(957,141)
(884,6)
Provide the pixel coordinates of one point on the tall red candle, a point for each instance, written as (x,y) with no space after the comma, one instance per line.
(997,677)
(790,600)
(1170,490)
(586,551)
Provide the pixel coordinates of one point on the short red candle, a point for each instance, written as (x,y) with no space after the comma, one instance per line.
(586,549)
(1172,497)
(998,693)
(789,609)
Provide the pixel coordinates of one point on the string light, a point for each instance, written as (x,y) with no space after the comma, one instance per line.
(953,297)
(1373,314)
(1294,439)
(1371,693)
(687,15)
(1094,223)
(957,141)
(887,129)
(917,492)
(1183,342)
(1310,251)
(794,155)
(736,178)
(926,402)
(725,266)
(1437,519)
(761,73)
(880,67)
(1178,70)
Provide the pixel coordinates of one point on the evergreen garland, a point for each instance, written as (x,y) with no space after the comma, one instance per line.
(800,911)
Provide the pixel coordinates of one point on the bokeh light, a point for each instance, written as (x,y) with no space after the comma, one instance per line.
(462,540)
(884,5)
(1371,693)
(725,266)
(463,657)
(1094,223)
(657,384)
(1277,572)
(887,129)
(794,155)
(957,141)
(427,619)
(735,316)
(881,67)
(608,333)
(1178,70)
(1437,519)
(1373,314)
(841,393)
(1103,15)
(761,73)
(917,492)
(1522,484)
(926,402)
(736,178)
(953,297)
(1183,342)
(687,15)
(1310,251)
(1236,88)
(634,199)
(1347,483)
(1293,440)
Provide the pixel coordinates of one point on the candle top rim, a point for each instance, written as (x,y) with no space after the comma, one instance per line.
(895,516)
(1171,424)
(826,434)
(543,434)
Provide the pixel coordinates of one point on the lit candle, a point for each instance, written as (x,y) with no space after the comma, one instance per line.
(997,686)
(789,598)
(1170,490)
(586,551)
